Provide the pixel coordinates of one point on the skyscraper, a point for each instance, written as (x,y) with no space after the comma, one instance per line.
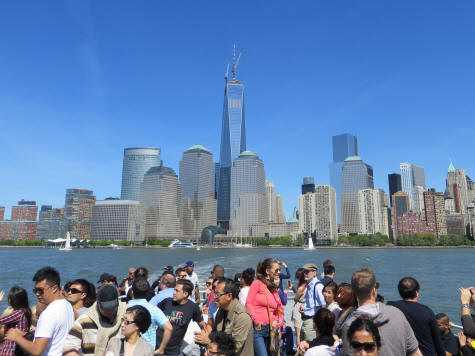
(233,140)
(271,199)
(456,188)
(78,211)
(248,195)
(400,205)
(137,161)
(160,195)
(307,215)
(394,180)
(373,211)
(308,185)
(344,146)
(412,175)
(197,178)
(356,175)
(326,224)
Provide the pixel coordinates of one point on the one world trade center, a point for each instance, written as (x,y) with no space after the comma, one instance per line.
(233,140)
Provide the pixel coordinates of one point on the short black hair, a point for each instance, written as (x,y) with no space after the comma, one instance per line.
(179,270)
(248,275)
(225,342)
(442,316)
(329,269)
(49,274)
(87,288)
(141,272)
(142,317)
(230,287)
(187,285)
(140,288)
(408,287)
(324,319)
(362,323)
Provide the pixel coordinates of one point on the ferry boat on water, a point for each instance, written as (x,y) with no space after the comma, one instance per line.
(178,243)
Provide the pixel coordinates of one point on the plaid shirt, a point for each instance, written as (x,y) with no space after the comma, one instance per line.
(16,319)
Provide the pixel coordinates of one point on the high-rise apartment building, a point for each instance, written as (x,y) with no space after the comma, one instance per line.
(160,195)
(418,199)
(395,185)
(400,205)
(78,211)
(326,220)
(115,219)
(373,211)
(434,213)
(137,161)
(344,146)
(411,176)
(456,188)
(197,178)
(308,185)
(2,213)
(233,141)
(307,216)
(22,224)
(47,212)
(248,195)
(356,175)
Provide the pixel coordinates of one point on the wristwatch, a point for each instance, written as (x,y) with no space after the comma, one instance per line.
(466,306)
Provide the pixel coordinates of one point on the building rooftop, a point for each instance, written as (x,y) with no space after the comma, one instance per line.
(292,221)
(198,148)
(451,167)
(161,170)
(353,159)
(248,153)
(117,202)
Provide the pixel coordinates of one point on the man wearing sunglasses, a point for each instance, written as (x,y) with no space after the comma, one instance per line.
(54,322)
(77,295)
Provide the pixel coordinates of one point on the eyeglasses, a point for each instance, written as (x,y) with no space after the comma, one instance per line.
(367,346)
(40,291)
(182,276)
(218,295)
(73,290)
(127,322)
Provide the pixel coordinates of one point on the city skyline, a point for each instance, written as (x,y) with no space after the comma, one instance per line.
(338,69)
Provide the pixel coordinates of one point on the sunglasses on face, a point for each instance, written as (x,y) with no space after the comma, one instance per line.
(73,290)
(367,346)
(127,322)
(40,291)
(182,276)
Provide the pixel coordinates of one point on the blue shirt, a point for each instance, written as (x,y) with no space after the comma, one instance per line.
(158,319)
(313,297)
(162,295)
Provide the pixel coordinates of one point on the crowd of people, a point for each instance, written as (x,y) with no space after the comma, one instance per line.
(239,316)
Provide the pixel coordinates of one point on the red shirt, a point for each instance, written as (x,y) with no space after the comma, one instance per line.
(16,319)
(256,304)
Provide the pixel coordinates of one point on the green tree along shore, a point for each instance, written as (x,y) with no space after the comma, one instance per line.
(287,241)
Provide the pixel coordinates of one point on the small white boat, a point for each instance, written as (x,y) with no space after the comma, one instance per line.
(114,247)
(67,243)
(198,248)
(178,243)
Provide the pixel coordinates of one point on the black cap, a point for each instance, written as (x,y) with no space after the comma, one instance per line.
(105,277)
(107,297)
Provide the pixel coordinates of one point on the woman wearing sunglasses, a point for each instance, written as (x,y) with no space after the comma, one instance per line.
(364,337)
(135,321)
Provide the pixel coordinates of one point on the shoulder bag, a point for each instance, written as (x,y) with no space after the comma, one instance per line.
(274,333)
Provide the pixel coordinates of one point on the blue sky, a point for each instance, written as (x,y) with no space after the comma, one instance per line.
(81,80)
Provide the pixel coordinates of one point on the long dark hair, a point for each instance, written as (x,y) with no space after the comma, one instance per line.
(18,300)
(261,273)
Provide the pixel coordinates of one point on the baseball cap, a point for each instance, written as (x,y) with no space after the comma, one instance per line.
(189,263)
(105,277)
(107,297)
(310,267)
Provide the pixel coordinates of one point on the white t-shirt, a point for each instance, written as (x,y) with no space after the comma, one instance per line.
(243,295)
(193,279)
(54,323)
(322,350)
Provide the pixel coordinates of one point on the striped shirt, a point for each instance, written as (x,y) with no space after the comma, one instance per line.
(16,319)
(82,336)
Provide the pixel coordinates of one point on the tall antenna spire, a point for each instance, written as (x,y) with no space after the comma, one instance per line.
(234,62)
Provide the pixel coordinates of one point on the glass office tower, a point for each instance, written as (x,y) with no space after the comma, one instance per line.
(137,161)
(233,143)
(344,146)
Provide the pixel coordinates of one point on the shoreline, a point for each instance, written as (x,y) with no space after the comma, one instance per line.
(258,247)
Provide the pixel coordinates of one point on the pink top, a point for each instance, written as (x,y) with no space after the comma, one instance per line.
(256,304)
